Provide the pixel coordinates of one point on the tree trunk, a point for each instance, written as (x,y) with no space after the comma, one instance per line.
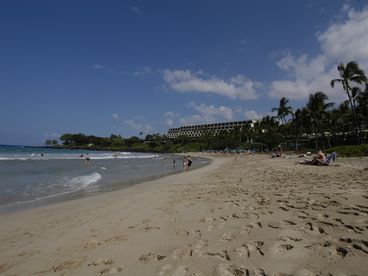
(358,125)
(352,105)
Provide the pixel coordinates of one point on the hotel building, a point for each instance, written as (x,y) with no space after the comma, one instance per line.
(199,130)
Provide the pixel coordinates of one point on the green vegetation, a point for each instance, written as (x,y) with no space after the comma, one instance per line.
(318,125)
(51,142)
(349,151)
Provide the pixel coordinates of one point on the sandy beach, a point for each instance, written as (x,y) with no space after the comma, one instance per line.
(241,215)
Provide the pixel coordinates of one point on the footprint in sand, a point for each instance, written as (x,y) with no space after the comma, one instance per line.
(302,215)
(360,245)
(306,272)
(285,244)
(281,224)
(69,264)
(101,261)
(290,239)
(297,205)
(149,228)
(313,228)
(274,224)
(151,256)
(91,244)
(107,270)
(182,232)
(259,272)
(4,267)
(318,245)
(339,251)
(179,271)
(249,248)
(281,247)
(184,252)
(356,229)
(231,270)
(289,222)
(207,219)
(200,244)
(249,227)
(234,270)
(116,238)
(197,232)
(223,255)
(228,237)
(28,253)
(111,270)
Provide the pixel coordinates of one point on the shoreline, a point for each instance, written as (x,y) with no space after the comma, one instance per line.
(78,194)
(239,215)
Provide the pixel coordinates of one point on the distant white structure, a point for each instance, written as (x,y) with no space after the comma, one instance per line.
(199,130)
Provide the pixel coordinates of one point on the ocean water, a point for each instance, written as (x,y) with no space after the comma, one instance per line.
(31,176)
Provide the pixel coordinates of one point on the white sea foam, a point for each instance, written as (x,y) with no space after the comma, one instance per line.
(12,158)
(71,185)
(68,156)
(80,182)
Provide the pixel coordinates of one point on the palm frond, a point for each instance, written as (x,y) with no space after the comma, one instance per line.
(332,82)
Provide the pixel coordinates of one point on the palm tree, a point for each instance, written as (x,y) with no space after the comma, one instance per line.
(318,109)
(283,110)
(269,132)
(299,125)
(339,120)
(246,133)
(351,73)
(362,108)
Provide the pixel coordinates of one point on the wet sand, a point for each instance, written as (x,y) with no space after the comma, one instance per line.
(241,215)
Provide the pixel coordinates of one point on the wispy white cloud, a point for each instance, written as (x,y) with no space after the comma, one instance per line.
(212,111)
(142,71)
(238,86)
(252,115)
(169,122)
(170,118)
(343,41)
(115,117)
(136,9)
(98,66)
(139,126)
(206,114)
(347,40)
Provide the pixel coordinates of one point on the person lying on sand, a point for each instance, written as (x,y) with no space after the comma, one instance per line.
(320,159)
(278,153)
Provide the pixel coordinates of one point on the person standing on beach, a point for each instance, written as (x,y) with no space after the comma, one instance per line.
(189,160)
(279,151)
(185,164)
(87,159)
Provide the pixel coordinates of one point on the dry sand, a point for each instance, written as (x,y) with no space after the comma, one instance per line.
(245,215)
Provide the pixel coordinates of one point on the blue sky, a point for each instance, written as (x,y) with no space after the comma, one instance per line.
(125,67)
